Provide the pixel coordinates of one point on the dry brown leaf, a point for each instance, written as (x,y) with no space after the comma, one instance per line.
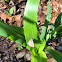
(5,16)
(11,3)
(2,5)
(16,18)
(51,60)
(56,9)
(19,1)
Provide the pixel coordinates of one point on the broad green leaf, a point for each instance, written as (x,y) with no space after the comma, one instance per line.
(39,57)
(17,29)
(54,33)
(12,33)
(30,20)
(58,22)
(59,34)
(47,20)
(42,46)
(55,54)
(11,11)
(57,30)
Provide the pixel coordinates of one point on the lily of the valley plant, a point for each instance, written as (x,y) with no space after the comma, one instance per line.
(28,36)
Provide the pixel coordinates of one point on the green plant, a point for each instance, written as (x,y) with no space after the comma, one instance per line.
(10,11)
(7,1)
(28,36)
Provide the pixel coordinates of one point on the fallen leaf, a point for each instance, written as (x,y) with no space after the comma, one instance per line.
(20,55)
(5,16)
(51,60)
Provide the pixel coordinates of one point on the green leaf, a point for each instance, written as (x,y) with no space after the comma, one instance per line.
(30,20)
(59,34)
(7,13)
(47,20)
(57,30)
(11,11)
(47,37)
(20,47)
(42,46)
(57,26)
(38,46)
(56,33)
(55,54)
(12,32)
(18,30)
(58,20)
(7,1)
(39,57)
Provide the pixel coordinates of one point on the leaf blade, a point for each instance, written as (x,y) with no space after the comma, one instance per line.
(7,31)
(55,54)
(30,20)
(11,11)
(47,20)
(40,57)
